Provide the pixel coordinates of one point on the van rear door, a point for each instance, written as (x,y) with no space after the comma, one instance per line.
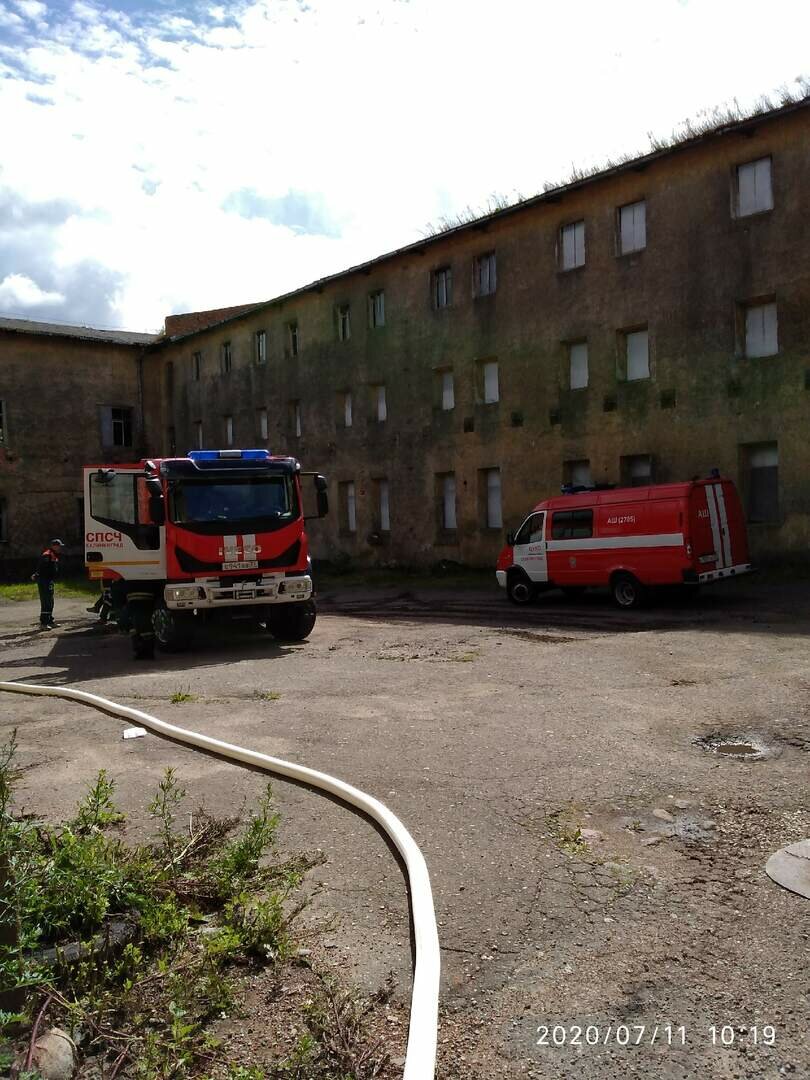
(718,526)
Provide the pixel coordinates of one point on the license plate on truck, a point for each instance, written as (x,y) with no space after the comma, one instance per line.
(254,565)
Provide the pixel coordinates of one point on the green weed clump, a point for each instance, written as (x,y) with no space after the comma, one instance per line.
(137,945)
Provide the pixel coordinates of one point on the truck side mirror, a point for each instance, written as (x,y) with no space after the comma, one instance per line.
(322,489)
(157,507)
(157,510)
(510,539)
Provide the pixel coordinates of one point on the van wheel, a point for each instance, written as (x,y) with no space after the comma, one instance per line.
(627,591)
(519,589)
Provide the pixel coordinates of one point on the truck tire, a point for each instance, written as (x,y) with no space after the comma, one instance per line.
(174,630)
(292,622)
(519,588)
(627,591)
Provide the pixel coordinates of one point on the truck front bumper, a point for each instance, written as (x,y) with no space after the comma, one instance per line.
(222,592)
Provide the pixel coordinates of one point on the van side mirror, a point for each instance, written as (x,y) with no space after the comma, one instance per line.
(510,539)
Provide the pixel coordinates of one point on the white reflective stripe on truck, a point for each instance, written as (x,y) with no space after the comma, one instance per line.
(718,543)
(229,548)
(724,533)
(249,545)
(604,543)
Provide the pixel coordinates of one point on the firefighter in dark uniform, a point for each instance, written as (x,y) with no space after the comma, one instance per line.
(46,573)
(133,605)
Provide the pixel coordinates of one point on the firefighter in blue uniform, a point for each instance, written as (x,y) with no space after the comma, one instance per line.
(45,575)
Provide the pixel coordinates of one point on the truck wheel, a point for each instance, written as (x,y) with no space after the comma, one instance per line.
(627,591)
(519,589)
(173,630)
(292,622)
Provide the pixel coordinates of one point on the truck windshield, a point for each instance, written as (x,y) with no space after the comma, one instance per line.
(257,504)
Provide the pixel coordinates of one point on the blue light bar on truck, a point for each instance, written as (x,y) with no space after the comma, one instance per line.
(215,455)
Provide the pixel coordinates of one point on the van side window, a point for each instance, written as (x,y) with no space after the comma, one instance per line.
(531,531)
(572,525)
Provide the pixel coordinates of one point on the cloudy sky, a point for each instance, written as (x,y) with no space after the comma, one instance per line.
(160,156)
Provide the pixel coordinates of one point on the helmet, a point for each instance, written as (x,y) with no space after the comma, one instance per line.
(57,543)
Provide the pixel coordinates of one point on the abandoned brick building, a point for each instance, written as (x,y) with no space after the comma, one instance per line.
(649,322)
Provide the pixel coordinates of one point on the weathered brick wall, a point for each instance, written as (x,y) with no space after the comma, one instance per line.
(52,388)
(701,403)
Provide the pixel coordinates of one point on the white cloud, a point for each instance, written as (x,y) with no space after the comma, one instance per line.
(383,115)
(17,291)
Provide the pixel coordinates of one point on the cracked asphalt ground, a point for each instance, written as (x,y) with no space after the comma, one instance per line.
(596,871)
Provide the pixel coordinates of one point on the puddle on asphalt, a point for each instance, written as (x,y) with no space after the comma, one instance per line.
(740,747)
(736,749)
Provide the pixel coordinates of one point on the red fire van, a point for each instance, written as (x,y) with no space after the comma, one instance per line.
(627,539)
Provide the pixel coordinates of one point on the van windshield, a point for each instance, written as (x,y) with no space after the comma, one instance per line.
(255,504)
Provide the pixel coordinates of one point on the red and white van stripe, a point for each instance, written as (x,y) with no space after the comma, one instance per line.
(716,503)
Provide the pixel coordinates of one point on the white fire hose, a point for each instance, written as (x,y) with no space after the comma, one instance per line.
(420,1060)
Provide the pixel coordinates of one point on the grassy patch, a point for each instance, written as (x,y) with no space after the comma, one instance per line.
(181,696)
(69,588)
(566,833)
(464,658)
(266,695)
(144,949)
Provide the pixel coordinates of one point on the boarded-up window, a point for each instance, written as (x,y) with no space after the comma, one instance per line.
(196,366)
(636,470)
(448,504)
(761,461)
(638,355)
(384,510)
(491,388)
(493,516)
(577,473)
(754,192)
(229,431)
(578,365)
(263,426)
(344,322)
(380,403)
(226,357)
(484,277)
(761,330)
(443,287)
(347,507)
(347,410)
(295,418)
(448,391)
(632,227)
(572,245)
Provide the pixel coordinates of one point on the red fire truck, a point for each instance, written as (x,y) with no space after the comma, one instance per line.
(216,535)
(627,539)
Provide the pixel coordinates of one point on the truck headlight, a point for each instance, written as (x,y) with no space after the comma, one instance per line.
(185,592)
